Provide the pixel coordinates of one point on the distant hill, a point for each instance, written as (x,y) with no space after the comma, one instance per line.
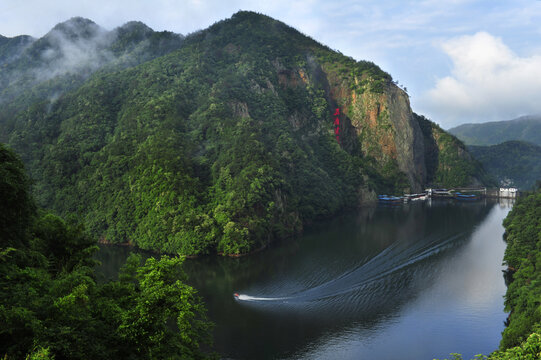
(513,163)
(525,128)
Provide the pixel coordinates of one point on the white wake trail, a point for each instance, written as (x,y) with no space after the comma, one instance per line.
(254,298)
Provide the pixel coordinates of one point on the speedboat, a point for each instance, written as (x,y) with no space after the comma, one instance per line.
(236,296)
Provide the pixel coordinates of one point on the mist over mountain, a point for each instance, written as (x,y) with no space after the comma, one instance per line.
(217,142)
(11,48)
(68,54)
(79,45)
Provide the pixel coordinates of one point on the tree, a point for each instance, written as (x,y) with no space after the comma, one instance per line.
(165,318)
(16,204)
(52,307)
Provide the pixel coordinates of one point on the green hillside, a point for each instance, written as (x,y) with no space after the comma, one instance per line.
(53,307)
(448,161)
(523,258)
(11,48)
(526,128)
(223,142)
(37,72)
(512,163)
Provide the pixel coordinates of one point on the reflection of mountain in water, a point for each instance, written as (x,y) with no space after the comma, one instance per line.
(370,281)
(369,274)
(356,271)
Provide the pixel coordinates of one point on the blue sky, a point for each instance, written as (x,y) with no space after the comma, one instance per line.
(461,60)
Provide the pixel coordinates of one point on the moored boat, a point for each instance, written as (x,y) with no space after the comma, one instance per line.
(386,199)
(415,197)
(466,197)
(441,193)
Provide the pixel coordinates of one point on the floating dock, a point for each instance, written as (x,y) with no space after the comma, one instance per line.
(462,194)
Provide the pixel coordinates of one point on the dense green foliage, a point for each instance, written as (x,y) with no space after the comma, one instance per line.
(218,146)
(530,349)
(16,204)
(523,257)
(512,163)
(11,48)
(526,128)
(190,153)
(448,163)
(51,305)
(35,73)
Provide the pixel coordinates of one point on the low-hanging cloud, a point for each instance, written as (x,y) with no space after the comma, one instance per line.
(75,55)
(75,47)
(488,81)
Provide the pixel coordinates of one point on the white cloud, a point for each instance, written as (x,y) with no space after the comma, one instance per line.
(396,34)
(488,81)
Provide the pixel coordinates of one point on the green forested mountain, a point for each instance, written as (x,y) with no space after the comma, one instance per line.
(509,150)
(221,142)
(512,163)
(525,128)
(448,162)
(11,48)
(53,307)
(39,71)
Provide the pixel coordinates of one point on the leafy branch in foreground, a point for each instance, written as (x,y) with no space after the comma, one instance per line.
(53,307)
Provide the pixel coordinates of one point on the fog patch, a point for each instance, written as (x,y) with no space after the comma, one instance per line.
(74,49)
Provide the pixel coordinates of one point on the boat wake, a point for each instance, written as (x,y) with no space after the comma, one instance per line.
(395,259)
(243,297)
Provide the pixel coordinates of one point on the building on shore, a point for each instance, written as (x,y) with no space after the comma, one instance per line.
(508,193)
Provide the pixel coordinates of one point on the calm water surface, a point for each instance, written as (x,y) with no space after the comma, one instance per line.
(417,281)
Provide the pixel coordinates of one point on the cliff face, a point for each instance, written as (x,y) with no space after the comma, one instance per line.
(377,119)
(377,123)
(387,131)
(448,163)
(408,139)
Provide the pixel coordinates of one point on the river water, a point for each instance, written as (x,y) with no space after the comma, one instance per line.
(415,281)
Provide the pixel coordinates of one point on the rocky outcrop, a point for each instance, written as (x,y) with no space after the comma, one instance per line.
(383,124)
(408,139)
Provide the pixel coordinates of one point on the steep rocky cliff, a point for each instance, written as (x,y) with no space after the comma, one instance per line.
(375,115)
(383,123)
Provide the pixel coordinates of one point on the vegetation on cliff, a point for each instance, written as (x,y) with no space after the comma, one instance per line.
(51,305)
(523,258)
(448,163)
(221,144)
(530,349)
